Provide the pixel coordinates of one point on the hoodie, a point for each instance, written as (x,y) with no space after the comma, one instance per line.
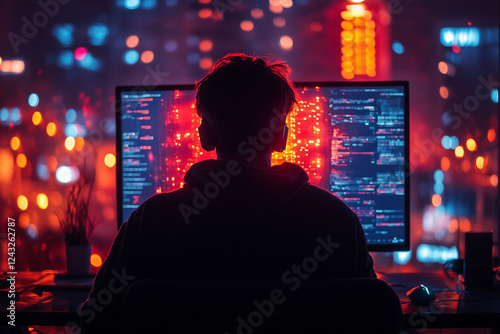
(232,222)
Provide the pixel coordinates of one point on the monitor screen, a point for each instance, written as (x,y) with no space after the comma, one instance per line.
(351,138)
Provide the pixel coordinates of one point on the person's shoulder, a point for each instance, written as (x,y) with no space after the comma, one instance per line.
(315,196)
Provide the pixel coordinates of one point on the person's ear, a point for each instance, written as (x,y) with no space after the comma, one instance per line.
(207,137)
(279,144)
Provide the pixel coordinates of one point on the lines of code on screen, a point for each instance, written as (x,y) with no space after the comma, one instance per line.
(349,140)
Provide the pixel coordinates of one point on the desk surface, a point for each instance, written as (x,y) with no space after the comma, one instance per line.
(480,308)
(477,309)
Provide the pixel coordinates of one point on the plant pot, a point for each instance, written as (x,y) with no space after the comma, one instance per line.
(78,259)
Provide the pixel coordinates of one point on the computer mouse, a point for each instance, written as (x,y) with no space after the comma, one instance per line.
(421,295)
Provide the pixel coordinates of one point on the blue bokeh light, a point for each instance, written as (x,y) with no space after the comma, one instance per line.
(494,95)
(398,48)
(132,4)
(98,34)
(71,115)
(438,176)
(131,57)
(64,34)
(454,142)
(446,142)
(33,100)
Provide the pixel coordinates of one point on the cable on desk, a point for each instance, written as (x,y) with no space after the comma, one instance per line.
(399,286)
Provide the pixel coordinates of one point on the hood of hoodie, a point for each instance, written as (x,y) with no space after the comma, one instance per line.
(231,191)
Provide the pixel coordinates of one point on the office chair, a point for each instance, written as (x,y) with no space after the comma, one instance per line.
(362,305)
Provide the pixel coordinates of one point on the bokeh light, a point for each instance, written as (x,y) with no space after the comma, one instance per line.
(443,92)
(110,160)
(445,164)
(51,129)
(147,57)
(316,26)
(286,42)
(131,57)
(480,162)
(206,63)
(21,160)
(279,22)
(471,144)
(453,226)
(22,202)
(95,260)
(36,118)
(491,135)
(443,67)
(15,143)
(80,53)
(398,48)
(206,45)
(24,220)
(205,13)
(459,151)
(436,200)
(33,100)
(79,143)
(246,25)
(42,200)
(276,9)
(69,143)
(494,180)
(286,3)
(257,13)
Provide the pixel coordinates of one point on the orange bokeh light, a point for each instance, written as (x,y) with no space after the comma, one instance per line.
(459,151)
(51,129)
(453,226)
(21,160)
(480,162)
(471,144)
(205,63)
(444,92)
(22,202)
(436,200)
(257,13)
(110,160)
(206,45)
(24,220)
(36,118)
(494,180)
(445,164)
(205,13)
(15,143)
(132,41)
(491,135)
(279,22)
(147,57)
(443,67)
(95,260)
(286,42)
(246,25)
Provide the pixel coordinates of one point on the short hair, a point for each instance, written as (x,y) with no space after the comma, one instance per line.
(241,94)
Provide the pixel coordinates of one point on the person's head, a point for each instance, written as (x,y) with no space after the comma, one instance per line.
(244,96)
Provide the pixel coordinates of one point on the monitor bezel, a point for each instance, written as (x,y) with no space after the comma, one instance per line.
(405,84)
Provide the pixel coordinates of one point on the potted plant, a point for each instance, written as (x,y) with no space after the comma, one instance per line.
(77,226)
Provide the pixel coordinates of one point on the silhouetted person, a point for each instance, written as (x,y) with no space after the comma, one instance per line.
(236,218)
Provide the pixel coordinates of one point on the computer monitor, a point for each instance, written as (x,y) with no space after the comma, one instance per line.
(351,138)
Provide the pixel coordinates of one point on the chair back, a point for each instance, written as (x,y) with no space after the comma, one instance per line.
(363,305)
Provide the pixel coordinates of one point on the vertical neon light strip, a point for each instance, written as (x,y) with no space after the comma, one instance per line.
(358,42)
